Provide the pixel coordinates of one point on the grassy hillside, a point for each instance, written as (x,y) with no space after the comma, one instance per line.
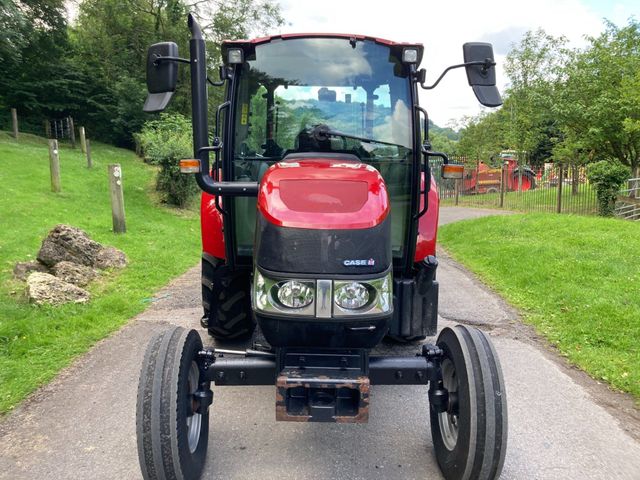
(577,279)
(36,342)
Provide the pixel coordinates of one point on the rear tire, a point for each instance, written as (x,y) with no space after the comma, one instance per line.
(470,439)
(172,439)
(226,302)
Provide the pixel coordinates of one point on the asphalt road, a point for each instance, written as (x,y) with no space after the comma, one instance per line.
(562,425)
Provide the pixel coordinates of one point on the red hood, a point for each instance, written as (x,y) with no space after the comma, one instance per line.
(323,193)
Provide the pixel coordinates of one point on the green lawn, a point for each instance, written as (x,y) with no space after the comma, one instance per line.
(577,279)
(36,342)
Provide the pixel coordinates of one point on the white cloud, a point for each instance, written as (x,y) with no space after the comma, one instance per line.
(443,27)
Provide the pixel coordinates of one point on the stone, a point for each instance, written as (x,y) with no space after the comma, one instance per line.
(68,243)
(22,269)
(75,273)
(111,257)
(44,288)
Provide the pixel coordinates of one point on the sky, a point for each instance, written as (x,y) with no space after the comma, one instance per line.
(444,25)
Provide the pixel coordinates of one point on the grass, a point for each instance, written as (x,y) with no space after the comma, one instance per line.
(576,279)
(161,243)
(540,200)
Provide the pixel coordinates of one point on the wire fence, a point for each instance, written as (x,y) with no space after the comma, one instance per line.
(554,188)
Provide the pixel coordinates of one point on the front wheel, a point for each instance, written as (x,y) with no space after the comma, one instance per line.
(172,424)
(470,437)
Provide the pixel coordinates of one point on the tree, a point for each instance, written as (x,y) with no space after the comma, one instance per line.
(111,39)
(598,99)
(483,136)
(36,75)
(532,65)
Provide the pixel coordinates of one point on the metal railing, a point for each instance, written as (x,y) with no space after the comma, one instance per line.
(628,201)
(555,187)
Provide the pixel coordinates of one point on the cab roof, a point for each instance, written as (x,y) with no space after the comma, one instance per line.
(249,45)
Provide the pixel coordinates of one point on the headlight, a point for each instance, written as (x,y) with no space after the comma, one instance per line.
(260,291)
(294,294)
(351,296)
(277,296)
(322,298)
(366,297)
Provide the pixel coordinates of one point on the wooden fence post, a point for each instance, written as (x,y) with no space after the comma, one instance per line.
(83,140)
(47,128)
(54,166)
(14,120)
(89,162)
(560,180)
(72,131)
(502,186)
(117,198)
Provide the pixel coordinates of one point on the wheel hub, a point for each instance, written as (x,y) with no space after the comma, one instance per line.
(448,419)
(194,420)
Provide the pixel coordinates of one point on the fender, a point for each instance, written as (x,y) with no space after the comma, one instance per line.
(211,227)
(428,224)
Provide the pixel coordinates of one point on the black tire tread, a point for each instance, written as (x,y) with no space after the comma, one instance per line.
(143,410)
(485,458)
(226,304)
(157,407)
(502,427)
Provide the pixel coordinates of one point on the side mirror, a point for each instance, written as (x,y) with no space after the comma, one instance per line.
(481,73)
(162,76)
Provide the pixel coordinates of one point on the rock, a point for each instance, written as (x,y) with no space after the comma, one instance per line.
(110,257)
(70,244)
(44,288)
(22,269)
(77,274)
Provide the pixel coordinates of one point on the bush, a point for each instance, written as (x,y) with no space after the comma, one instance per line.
(164,142)
(607,178)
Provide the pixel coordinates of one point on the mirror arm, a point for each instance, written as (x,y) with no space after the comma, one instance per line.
(170,59)
(486,65)
(215,84)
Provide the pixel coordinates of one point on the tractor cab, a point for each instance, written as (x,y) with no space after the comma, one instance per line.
(319,222)
(344,98)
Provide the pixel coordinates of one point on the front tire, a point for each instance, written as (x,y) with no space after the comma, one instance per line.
(172,436)
(470,438)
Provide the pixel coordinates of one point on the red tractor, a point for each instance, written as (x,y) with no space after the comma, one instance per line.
(319,221)
(486,179)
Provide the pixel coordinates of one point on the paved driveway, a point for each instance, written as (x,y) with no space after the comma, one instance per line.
(82,425)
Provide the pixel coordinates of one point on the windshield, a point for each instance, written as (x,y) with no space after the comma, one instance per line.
(351,88)
(354,87)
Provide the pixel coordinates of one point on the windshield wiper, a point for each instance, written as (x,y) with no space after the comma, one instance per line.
(322,133)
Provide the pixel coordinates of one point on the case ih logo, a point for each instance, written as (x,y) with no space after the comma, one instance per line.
(359,263)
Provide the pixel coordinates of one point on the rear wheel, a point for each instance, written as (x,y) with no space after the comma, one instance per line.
(172,428)
(226,302)
(470,437)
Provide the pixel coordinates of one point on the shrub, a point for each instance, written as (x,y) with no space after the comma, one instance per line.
(607,178)
(164,142)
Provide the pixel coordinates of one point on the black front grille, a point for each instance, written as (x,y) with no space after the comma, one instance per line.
(313,251)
